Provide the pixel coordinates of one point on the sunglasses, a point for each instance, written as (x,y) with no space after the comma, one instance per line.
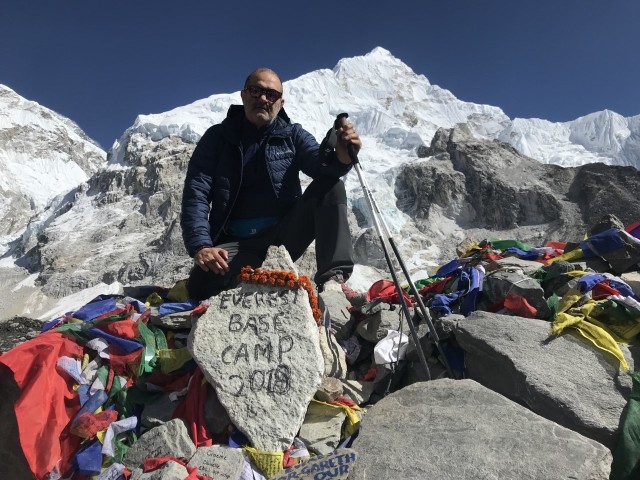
(269,93)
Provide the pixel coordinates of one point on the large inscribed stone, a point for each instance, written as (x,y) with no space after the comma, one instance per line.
(258,346)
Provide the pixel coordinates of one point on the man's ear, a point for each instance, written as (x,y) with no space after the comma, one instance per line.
(282,100)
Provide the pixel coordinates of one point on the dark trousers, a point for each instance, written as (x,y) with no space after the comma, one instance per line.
(320,214)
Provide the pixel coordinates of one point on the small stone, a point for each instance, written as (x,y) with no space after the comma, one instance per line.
(525,265)
(633,280)
(335,362)
(513,280)
(464,246)
(158,412)
(215,415)
(376,327)
(358,391)
(329,390)
(338,306)
(174,321)
(219,462)
(169,471)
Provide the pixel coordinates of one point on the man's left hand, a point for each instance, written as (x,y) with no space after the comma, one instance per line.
(346,135)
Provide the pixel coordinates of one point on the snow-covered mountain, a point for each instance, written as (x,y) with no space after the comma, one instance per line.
(399,109)
(120,224)
(42,155)
(604,137)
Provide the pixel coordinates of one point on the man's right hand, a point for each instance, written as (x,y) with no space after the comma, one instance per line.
(212,259)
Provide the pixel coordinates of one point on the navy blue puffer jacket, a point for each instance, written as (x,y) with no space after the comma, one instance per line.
(215,173)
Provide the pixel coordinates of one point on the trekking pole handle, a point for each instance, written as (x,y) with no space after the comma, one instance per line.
(341,120)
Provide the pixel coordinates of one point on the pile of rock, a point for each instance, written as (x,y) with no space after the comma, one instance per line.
(280,389)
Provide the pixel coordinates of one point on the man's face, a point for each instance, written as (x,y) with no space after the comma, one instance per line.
(260,111)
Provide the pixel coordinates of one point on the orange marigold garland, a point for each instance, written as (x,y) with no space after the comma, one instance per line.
(282,278)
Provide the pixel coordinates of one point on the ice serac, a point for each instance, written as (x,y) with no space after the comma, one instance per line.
(258,346)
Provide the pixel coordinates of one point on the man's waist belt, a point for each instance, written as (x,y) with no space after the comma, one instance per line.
(247,227)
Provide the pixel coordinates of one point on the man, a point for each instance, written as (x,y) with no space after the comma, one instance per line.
(242,192)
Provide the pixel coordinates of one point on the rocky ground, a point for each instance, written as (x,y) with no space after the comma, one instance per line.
(17,330)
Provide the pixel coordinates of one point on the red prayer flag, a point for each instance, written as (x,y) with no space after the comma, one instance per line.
(47,402)
(519,305)
(191,410)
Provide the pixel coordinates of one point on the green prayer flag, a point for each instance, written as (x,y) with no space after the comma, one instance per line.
(626,455)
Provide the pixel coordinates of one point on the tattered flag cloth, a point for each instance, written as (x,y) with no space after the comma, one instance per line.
(584,320)
(626,455)
(191,410)
(603,243)
(386,291)
(634,229)
(47,402)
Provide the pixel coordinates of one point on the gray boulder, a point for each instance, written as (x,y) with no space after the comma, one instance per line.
(565,379)
(525,265)
(458,429)
(168,440)
(358,391)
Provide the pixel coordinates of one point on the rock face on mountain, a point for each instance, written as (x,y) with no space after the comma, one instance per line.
(481,188)
(125,223)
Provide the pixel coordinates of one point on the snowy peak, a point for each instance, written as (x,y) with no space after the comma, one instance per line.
(42,155)
(17,111)
(388,102)
(379,70)
(605,137)
(604,132)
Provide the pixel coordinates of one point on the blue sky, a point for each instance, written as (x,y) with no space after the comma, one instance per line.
(101,63)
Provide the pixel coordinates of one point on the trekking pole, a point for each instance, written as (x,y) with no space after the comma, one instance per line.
(380,224)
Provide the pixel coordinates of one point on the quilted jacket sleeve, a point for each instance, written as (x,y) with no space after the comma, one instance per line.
(196,195)
(308,156)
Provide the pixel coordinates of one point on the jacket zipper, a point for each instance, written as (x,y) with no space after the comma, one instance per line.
(224,224)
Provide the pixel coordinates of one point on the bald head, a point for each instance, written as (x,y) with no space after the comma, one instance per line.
(253,75)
